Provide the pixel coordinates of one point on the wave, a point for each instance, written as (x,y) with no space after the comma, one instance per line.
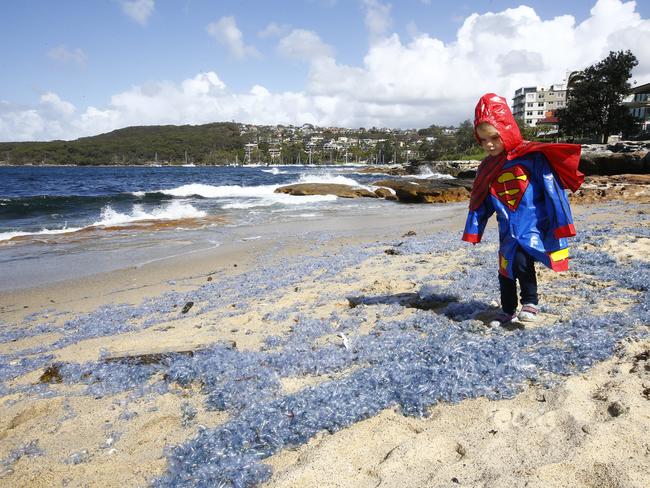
(56,204)
(7,236)
(210,191)
(113,220)
(259,191)
(328,178)
(275,171)
(173,211)
(431,175)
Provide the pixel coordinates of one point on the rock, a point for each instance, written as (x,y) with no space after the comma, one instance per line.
(386,193)
(138,358)
(617,409)
(614,163)
(471,173)
(343,191)
(428,191)
(52,374)
(628,187)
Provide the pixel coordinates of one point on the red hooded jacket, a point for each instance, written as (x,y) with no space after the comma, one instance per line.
(563,158)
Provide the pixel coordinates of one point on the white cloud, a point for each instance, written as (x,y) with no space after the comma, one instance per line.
(378,19)
(138,10)
(273,29)
(52,118)
(57,106)
(65,55)
(226,32)
(400,83)
(304,45)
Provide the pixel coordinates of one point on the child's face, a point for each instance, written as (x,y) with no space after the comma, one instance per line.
(490,139)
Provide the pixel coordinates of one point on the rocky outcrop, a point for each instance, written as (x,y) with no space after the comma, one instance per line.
(343,191)
(403,190)
(428,191)
(625,187)
(611,163)
(614,159)
(618,147)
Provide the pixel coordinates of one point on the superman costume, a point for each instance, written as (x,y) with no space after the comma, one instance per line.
(525,187)
(532,212)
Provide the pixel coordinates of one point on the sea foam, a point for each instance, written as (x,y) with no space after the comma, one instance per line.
(7,236)
(173,211)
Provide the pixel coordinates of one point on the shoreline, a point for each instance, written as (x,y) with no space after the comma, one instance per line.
(247,244)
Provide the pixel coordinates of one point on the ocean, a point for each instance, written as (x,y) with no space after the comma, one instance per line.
(61,222)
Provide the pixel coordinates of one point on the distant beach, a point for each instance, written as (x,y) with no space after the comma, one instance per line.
(329,343)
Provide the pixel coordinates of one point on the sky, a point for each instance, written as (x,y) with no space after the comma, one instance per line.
(74,68)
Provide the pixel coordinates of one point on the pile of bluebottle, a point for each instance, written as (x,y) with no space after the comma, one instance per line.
(436,355)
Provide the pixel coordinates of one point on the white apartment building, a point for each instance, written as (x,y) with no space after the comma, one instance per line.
(640,105)
(534,103)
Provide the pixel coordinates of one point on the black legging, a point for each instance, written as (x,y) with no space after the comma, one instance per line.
(523,269)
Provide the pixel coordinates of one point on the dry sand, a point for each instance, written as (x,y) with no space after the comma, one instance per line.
(593,430)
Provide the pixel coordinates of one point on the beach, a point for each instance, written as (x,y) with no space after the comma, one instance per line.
(344,352)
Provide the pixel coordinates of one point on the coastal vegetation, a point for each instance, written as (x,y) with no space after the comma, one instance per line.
(234,143)
(595,99)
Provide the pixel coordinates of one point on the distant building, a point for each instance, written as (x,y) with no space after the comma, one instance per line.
(640,105)
(549,122)
(532,103)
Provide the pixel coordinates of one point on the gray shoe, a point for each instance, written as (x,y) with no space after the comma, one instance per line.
(528,313)
(502,319)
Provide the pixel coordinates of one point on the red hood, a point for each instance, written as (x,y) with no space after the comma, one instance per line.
(563,158)
(494,110)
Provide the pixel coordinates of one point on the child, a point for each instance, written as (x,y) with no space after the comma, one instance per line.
(523,182)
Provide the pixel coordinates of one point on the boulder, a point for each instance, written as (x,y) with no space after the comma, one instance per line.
(605,162)
(386,193)
(428,191)
(343,191)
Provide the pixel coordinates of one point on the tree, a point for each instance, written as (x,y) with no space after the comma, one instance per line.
(527,132)
(595,98)
(465,138)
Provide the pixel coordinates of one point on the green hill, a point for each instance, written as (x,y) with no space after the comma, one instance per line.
(216,143)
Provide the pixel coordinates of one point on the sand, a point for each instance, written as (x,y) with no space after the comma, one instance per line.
(590,430)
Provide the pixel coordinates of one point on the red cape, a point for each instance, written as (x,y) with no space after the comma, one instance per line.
(563,158)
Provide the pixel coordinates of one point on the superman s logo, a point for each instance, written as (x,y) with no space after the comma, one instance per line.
(510,185)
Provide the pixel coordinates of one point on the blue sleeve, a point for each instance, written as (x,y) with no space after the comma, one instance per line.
(557,203)
(477,220)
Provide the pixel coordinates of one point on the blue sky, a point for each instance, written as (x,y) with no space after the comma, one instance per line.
(74,68)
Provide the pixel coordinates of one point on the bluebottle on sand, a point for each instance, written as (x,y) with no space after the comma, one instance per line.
(409,363)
